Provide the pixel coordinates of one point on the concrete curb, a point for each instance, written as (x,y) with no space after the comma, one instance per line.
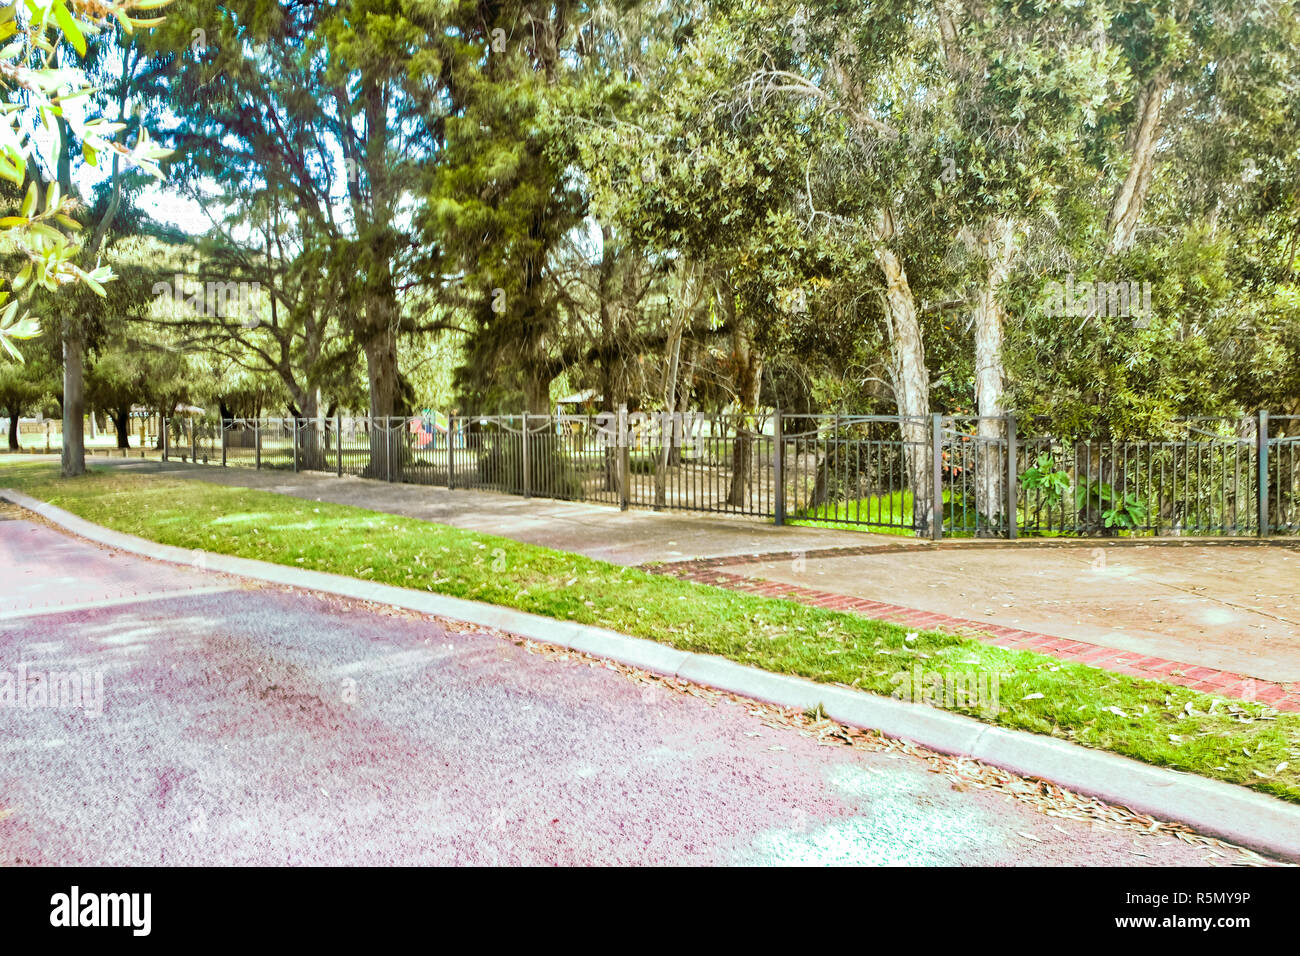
(1219,809)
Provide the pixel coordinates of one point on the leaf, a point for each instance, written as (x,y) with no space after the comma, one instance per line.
(70,28)
(11,170)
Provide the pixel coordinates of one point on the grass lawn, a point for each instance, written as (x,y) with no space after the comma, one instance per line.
(889,514)
(892,514)
(1244,743)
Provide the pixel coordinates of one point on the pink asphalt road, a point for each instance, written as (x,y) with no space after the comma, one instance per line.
(242,724)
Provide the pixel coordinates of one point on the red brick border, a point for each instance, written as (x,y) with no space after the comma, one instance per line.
(1205,679)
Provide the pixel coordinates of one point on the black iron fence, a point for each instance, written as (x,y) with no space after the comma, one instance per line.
(940,475)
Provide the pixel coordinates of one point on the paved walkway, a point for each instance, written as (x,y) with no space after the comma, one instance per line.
(1229,609)
(1282,696)
(630,537)
(240,724)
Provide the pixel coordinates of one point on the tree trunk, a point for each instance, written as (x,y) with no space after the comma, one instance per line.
(307,428)
(686,432)
(537,392)
(667,432)
(381,370)
(994,246)
(74,345)
(611,356)
(911,379)
(74,400)
(1126,207)
(122,424)
(13,431)
(749,376)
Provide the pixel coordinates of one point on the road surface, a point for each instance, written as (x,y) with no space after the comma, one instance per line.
(243,724)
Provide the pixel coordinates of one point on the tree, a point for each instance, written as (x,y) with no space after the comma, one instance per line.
(22,386)
(327,110)
(39,38)
(499,204)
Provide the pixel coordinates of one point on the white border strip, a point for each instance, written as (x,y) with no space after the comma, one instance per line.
(43,610)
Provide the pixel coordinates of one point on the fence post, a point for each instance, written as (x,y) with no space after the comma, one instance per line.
(451,452)
(388,449)
(1013,496)
(164,436)
(624,458)
(338,442)
(524,439)
(257,440)
(223,443)
(778,469)
(936,450)
(1262,439)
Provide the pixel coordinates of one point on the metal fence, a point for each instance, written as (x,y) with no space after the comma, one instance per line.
(937,476)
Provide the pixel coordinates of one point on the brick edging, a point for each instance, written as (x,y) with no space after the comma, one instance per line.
(1209,680)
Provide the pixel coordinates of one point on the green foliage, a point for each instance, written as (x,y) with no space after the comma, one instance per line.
(42,91)
(1119,510)
(535,193)
(1046,479)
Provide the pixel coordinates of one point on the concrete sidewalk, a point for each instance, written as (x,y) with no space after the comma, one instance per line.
(599,531)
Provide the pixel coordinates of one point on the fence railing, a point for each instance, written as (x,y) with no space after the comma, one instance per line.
(936,476)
